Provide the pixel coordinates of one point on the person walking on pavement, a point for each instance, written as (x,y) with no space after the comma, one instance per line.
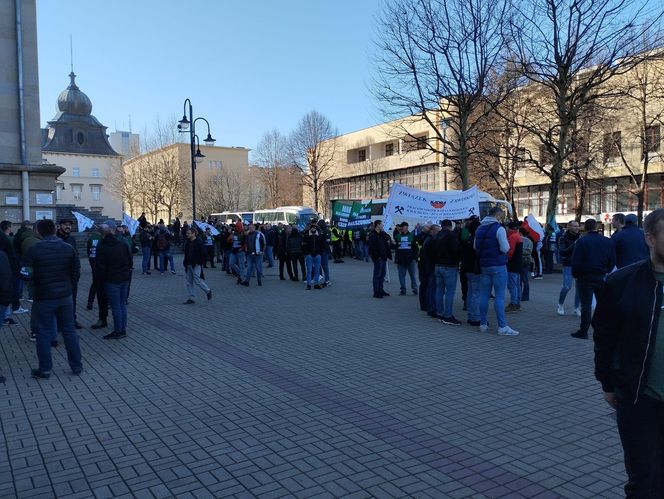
(593,258)
(380,252)
(114,265)
(629,361)
(194,259)
(405,256)
(566,244)
(53,267)
(492,246)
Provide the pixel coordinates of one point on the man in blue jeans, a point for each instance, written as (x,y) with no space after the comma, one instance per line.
(146,238)
(255,250)
(446,254)
(114,264)
(53,267)
(380,252)
(492,247)
(566,245)
(405,257)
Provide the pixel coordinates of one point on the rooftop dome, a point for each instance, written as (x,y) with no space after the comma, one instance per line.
(73,101)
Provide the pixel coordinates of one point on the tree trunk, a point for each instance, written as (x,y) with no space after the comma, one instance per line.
(552,205)
(580,189)
(640,198)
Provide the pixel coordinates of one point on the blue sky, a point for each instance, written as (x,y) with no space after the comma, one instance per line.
(247,66)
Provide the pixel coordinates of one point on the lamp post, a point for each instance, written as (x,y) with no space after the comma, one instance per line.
(188,125)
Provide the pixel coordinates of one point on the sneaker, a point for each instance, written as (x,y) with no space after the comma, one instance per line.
(37,374)
(260,283)
(507,331)
(173,272)
(99,325)
(189,302)
(577,312)
(579,335)
(21,310)
(77,325)
(451,321)
(77,372)
(511,308)
(385,294)
(317,286)
(115,335)
(561,310)
(484,328)
(245,283)
(308,287)
(402,292)
(33,336)
(209,294)
(538,277)
(415,292)
(474,323)
(328,283)
(10,322)
(377,296)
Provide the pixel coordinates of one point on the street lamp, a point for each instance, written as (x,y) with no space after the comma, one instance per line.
(188,125)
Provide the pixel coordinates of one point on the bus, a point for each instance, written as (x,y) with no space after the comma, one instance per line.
(298,216)
(231,217)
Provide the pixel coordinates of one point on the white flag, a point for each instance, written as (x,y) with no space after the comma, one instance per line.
(131,224)
(212,228)
(83,221)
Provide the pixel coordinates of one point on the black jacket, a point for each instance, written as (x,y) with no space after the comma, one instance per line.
(566,244)
(313,244)
(55,267)
(445,248)
(8,248)
(146,239)
(406,248)
(271,237)
(6,280)
(593,255)
(194,253)
(379,246)
(114,261)
(625,327)
(294,244)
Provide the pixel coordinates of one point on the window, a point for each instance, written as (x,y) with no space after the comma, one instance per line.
(80,138)
(612,143)
(361,155)
(96,192)
(58,191)
(95,172)
(610,198)
(213,163)
(77,190)
(652,138)
(76,172)
(421,142)
(389,149)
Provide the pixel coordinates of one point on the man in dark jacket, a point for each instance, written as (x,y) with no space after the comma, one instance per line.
(566,244)
(194,259)
(146,238)
(270,242)
(379,251)
(593,258)
(282,253)
(405,256)
(294,249)
(630,243)
(255,251)
(53,266)
(629,361)
(114,264)
(313,245)
(446,254)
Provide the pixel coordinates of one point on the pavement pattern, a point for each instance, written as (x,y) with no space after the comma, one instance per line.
(276,391)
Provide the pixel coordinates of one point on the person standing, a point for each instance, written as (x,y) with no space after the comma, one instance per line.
(335,239)
(379,251)
(5,286)
(526,262)
(492,246)
(164,238)
(238,252)
(630,243)
(270,241)
(209,248)
(312,247)
(446,254)
(617,223)
(629,361)
(514,259)
(145,239)
(422,275)
(593,258)
(114,264)
(566,245)
(53,267)
(255,250)
(294,248)
(405,257)
(177,227)
(194,258)
(64,233)
(471,266)
(91,247)
(325,254)
(282,253)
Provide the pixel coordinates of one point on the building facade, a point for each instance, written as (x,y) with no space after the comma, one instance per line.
(126,144)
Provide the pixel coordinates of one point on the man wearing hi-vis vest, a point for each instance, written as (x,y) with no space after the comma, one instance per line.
(335,239)
(406,257)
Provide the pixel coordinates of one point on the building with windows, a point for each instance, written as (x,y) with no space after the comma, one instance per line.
(126,144)
(77,141)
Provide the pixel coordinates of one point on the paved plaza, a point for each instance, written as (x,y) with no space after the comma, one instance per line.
(281,392)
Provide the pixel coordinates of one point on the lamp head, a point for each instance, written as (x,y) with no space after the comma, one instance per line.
(209,141)
(198,157)
(183,124)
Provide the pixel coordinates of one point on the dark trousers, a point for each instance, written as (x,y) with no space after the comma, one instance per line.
(94,284)
(295,259)
(587,285)
(210,256)
(641,428)
(155,256)
(285,261)
(464,285)
(548,261)
(336,250)
(380,266)
(431,295)
(50,316)
(102,301)
(525,285)
(424,288)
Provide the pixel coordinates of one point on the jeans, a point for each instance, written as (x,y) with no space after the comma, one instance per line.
(514,285)
(312,262)
(269,255)
(568,280)
(525,285)
(226,263)
(166,255)
(147,252)
(588,285)
(496,278)
(237,263)
(193,275)
(325,265)
(641,429)
(117,297)
(446,281)
(411,268)
(380,266)
(51,315)
(473,296)
(255,262)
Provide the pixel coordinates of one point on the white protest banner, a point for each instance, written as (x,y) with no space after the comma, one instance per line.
(213,229)
(131,224)
(406,203)
(83,221)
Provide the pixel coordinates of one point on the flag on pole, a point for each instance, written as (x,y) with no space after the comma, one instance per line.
(131,224)
(212,228)
(83,221)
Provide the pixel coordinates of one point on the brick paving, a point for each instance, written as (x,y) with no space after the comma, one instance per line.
(281,392)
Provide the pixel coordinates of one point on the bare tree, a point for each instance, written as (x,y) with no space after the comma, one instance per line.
(271,156)
(438,60)
(311,148)
(570,50)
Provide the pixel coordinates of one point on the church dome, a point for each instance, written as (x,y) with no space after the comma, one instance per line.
(72,101)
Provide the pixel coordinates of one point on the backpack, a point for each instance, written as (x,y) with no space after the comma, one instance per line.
(162,242)
(527,254)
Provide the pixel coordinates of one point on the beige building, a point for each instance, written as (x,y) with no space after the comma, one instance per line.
(158,183)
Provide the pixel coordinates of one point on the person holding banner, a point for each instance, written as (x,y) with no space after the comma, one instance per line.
(379,251)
